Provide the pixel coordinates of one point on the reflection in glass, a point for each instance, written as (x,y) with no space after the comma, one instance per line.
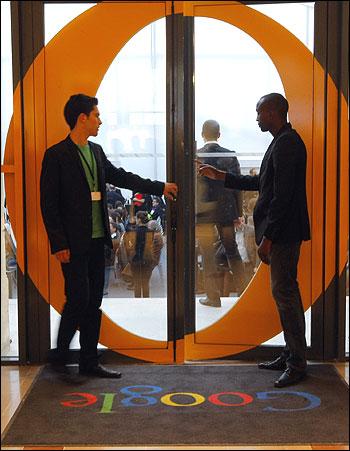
(133,134)
(218,216)
(232,72)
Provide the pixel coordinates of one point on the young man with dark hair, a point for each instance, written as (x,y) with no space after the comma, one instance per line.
(74,208)
(281,223)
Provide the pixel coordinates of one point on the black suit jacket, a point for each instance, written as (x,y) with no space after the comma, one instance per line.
(280,212)
(215,203)
(65,196)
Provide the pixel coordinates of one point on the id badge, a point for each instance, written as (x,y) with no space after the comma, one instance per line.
(95,195)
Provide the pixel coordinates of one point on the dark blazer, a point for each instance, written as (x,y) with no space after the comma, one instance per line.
(66,199)
(280,212)
(217,204)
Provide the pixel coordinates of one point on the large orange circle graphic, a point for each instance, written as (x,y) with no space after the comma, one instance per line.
(72,67)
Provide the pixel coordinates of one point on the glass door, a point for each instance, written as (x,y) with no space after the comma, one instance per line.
(122,61)
(235,64)
(137,58)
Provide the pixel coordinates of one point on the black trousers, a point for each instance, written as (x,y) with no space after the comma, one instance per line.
(285,290)
(84,280)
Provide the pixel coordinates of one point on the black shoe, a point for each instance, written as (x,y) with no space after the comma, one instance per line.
(210,302)
(60,368)
(289,377)
(100,371)
(67,374)
(277,364)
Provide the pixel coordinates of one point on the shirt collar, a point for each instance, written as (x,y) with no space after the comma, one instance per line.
(211,142)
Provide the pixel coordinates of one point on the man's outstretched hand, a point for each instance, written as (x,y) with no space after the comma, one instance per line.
(170,190)
(205,170)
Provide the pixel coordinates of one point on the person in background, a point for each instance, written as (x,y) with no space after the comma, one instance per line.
(158,211)
(142,262)
(158,244)
(114,195)
(281,223)
(110,254)
(218,214)
(74,209)
(142,202)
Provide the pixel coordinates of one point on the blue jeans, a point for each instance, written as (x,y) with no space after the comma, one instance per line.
(285,290)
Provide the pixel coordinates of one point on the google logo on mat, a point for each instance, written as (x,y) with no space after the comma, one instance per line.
(139,396)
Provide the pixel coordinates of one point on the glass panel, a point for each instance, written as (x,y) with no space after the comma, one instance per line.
(132,104)
(232,72)
(133,134)
(227,89)
(298,18)
(9,300)
(57,16)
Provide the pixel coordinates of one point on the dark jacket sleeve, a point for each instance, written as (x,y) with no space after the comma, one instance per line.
(119,177)
(285,160)
(242,182)
(50,202)
(236,170)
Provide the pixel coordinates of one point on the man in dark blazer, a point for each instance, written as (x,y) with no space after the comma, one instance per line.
(281,224)
(74,209)
(221,208)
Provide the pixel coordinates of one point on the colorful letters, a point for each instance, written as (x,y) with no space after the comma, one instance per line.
(139,396)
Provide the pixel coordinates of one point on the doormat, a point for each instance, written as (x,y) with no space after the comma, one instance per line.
(183,405)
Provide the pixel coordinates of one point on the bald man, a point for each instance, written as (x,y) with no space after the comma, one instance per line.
(218,214)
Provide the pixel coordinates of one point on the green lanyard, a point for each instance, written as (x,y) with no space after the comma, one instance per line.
(91,170)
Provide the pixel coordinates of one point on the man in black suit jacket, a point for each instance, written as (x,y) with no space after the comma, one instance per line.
(221,208)
(74,209)
(281,224)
